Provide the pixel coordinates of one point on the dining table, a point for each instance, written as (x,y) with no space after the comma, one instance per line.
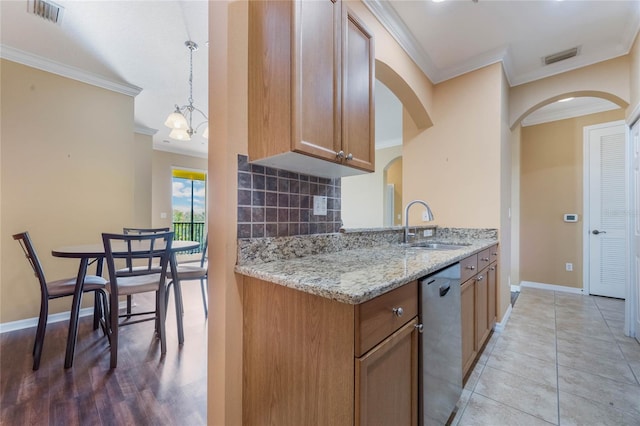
(90,253)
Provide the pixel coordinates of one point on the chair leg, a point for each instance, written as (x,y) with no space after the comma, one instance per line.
(161,315)
(113,326)
(129,303)
(204,296)
(97,310)
(101,295)
(42,326)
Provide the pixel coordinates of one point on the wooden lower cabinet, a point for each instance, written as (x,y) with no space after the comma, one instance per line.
(481,309)
(492,285)
(467,304)
(384,377)
(478,303)
(302,365)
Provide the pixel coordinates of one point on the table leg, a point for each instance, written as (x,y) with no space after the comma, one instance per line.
(75,312)
(177,291)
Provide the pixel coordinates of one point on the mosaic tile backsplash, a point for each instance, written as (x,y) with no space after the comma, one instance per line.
(279,203)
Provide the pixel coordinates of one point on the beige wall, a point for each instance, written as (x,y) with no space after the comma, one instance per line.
(609,80)
(504,272)
(514,273)
(67,175)
(363,195)
(143,151)
(161,183)
(550,186)
(455,165)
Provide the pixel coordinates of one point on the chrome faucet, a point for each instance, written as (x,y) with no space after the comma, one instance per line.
(407,234)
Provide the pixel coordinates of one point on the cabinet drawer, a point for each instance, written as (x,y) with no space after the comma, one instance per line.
(468,267)
(484,258)
(379,318)
(494,253)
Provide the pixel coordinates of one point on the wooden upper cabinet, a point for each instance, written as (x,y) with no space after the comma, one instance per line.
(311,75)
(316,80)
(358,115)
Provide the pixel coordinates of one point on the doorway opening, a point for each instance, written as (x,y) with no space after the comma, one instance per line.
(189,201)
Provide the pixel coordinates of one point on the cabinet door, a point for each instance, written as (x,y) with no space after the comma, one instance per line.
(316,78)
(358,76)
(492,284)
(467,309)
(387,381)
(481,305)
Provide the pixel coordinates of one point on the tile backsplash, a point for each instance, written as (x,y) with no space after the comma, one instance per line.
(279,203)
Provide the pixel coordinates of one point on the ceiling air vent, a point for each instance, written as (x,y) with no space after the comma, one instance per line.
(560,56)
(46,9)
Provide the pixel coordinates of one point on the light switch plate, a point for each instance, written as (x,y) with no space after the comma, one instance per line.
(319,205)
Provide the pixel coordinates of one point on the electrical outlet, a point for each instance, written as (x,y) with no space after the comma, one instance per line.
(568,267)
(427,233)
(319,205)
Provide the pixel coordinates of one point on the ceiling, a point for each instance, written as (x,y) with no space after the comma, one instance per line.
(138,46)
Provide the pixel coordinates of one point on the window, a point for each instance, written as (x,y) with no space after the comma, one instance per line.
(189,200)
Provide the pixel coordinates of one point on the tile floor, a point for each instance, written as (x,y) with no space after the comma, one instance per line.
(562,360)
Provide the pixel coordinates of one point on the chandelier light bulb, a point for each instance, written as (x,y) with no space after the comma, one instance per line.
(176,120)
(180,134)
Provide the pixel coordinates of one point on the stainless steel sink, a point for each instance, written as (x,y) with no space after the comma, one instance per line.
(428,245)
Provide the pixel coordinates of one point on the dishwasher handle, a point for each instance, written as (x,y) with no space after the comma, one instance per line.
(445,290)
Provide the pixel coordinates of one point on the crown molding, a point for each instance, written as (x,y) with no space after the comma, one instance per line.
(44,64)
(388,17)
(545,117)
(144,130)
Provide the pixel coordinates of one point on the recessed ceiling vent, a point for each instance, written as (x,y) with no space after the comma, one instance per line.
(46,9)
(560,56)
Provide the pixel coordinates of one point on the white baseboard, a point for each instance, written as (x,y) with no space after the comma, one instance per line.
(499,327)
(551,287)
(515,288)
(33,322)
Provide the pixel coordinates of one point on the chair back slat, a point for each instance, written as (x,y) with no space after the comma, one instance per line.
(154,249)
(24,240)
(141,231)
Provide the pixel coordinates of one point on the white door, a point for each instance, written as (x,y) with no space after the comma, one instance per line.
(635,274)
(607,229)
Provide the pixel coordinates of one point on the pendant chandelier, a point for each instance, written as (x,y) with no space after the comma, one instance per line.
(181,120)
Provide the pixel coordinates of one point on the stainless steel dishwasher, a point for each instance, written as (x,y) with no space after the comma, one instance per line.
(441,345)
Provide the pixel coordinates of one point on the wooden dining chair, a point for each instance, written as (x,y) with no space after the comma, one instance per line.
(147,258)
(138,231)
(194,270)
(60,288)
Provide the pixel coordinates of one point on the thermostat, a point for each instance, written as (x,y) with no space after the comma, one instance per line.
(570,217)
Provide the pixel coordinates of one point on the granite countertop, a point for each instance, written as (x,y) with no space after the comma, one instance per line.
(358,275)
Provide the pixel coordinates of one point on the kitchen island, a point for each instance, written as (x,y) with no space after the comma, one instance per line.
(331,327)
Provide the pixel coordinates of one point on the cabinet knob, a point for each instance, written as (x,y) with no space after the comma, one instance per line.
(419,327)
(495,253)
(471,267)
(340,154)
(480,277)
(398,312)
(484,259)
(350,157)
(493,268)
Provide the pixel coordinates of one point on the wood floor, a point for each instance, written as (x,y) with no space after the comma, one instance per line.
(145,388)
